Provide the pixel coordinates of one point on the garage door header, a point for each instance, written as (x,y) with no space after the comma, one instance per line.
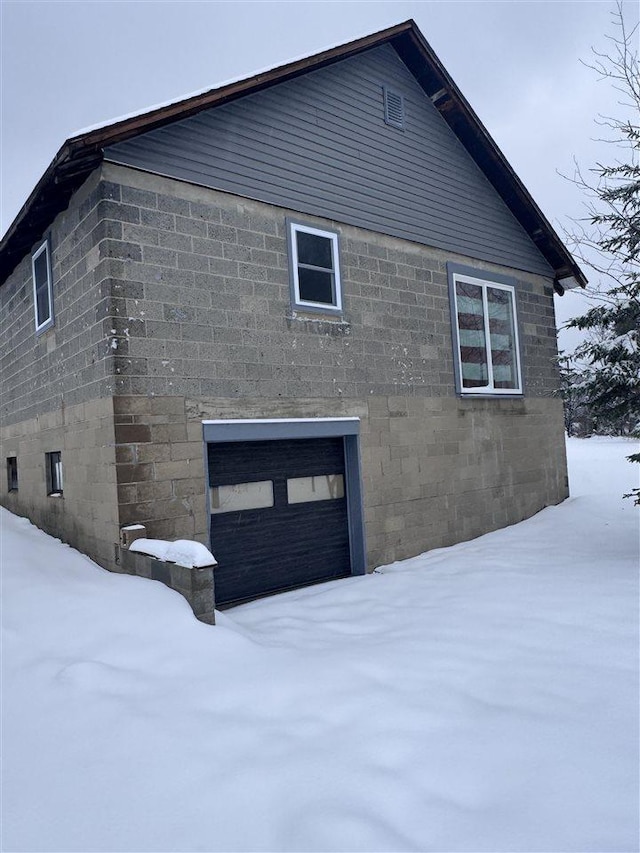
(278,428)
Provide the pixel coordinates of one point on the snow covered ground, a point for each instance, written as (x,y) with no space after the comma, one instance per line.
(477,698)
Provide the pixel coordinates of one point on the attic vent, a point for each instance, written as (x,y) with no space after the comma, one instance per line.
(393,109)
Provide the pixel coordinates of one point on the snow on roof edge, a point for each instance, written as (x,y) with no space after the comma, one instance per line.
(108,122)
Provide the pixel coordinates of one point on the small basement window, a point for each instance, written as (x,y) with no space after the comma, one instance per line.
(315,269)
(12,473)
(54,473)
(42,287)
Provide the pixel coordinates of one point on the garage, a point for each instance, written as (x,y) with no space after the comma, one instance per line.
(285,505)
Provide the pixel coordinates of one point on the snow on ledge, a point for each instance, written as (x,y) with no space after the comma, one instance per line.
(182,552)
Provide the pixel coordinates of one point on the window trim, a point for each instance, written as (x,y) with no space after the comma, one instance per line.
(335,308)
(480,278)
(45,247)
(55,478)
(12,474)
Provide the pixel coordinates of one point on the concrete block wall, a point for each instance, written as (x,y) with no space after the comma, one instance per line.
(55,387)
(435,470)
(196,585)
(70,363)
(440,471)
(172,305)
(86,516)
(203,305)
(206,330)
(160,467)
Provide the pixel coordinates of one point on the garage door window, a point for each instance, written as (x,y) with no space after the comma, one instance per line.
(242,496)
(325,487)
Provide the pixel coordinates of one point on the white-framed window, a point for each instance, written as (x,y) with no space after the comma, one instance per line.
(485,328)
(315,268)
(54,473)
(42,287)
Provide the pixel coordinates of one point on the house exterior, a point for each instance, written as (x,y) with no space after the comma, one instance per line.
(305,319)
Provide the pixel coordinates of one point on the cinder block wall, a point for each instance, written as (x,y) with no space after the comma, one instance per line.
(55,388)
(172,306)
(439,471)
(202,307)
(436,470)
(87,514)
(204,329)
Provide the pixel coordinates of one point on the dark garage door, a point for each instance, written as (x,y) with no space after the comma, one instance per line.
(278,515)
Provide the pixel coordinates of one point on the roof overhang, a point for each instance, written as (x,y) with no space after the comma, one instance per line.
(82,153)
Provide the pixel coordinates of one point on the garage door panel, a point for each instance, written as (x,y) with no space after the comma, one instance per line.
(260,555)
(267,549)
(238,462)
(260,532)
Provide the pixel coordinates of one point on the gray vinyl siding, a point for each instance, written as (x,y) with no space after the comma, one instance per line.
(319,145)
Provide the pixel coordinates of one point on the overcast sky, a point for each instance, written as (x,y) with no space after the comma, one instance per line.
(68,65)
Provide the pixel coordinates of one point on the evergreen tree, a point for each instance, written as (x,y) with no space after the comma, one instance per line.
(577,415)
(608,361)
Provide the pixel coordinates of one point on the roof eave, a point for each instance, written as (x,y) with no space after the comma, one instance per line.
(126,128)
(63,176)
(460,116)
(80,154)
(85,149)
